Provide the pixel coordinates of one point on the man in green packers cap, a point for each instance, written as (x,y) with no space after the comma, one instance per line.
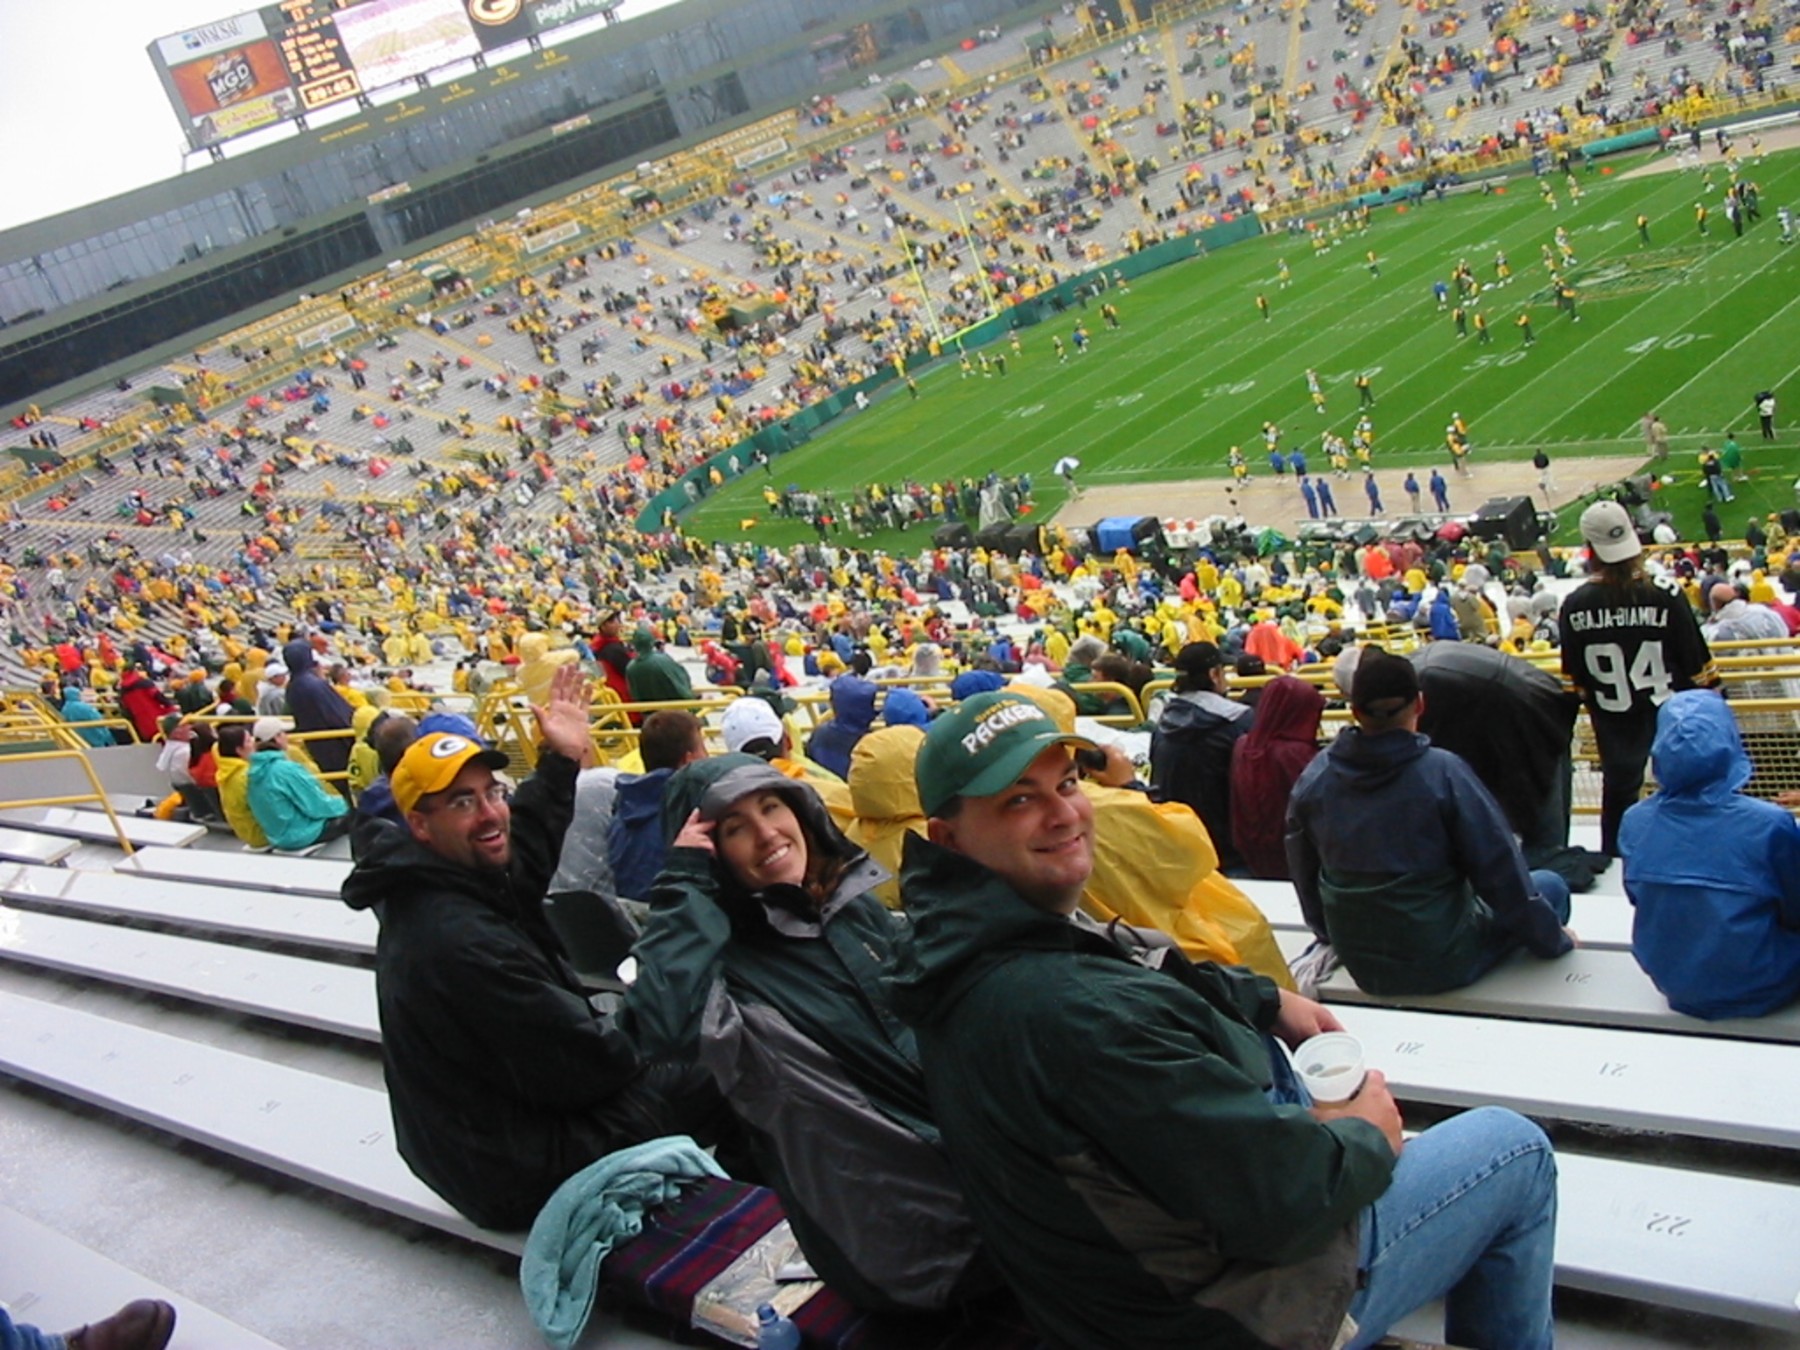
(1133,1145)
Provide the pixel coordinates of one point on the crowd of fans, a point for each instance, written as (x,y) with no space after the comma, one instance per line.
(896,949)
(798,1002)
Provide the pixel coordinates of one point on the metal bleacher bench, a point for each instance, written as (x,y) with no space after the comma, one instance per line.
(1707,1243)
(321,1130)
(1586,986)
(326,997)
(26,847)
(1602,920)
(55,1284)
(321,877)
(293,920)
(92,827)
(1598,1075)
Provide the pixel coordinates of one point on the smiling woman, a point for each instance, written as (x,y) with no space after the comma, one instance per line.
(762,842)
(766,959)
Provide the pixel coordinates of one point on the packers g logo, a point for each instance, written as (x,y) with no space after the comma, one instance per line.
(448,746)
(494,13)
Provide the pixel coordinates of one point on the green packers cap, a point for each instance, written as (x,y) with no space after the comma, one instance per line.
(982,746)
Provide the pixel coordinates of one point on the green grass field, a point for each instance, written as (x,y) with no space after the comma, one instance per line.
(1691,327)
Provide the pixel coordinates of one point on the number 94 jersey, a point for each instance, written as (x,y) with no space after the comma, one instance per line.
(1627,648)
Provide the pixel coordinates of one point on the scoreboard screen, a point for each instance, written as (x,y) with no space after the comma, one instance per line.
(296,56)
(313,53)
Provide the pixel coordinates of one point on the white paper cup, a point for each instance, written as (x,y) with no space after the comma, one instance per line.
(1331,1066)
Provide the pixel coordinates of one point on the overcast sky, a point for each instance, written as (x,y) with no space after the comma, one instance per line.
(82,114)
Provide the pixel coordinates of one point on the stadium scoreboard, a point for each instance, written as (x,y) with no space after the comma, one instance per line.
(285,60)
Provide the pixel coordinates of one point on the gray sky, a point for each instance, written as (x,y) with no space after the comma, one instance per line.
(82,113)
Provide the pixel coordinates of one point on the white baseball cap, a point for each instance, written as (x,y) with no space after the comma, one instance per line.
(1609,532)
(750,719)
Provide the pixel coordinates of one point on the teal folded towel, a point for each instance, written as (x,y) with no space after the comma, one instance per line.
(597,1207)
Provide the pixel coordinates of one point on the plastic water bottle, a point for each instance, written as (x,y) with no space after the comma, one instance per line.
(774,1331)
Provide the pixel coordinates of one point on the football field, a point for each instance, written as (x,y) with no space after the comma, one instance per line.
(1691,326)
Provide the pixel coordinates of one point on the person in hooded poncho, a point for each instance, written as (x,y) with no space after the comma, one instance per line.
(886,801)
(1714,875)
(1265,764)
(316,706)
(76,708)
(766,958)
(852,716)
(1512,723)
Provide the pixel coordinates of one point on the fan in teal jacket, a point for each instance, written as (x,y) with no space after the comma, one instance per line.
(76,708)
(783,997)
(1714,875)
(1111,1119)
(290,804)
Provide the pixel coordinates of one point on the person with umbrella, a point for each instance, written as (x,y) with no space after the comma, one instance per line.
(1065,469)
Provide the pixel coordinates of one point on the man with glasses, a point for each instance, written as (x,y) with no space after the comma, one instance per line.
(502,1078)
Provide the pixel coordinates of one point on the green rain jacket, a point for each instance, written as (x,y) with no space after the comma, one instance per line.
(1109,1123)
(786,1004)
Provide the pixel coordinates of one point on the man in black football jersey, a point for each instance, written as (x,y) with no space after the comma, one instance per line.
(1628,643)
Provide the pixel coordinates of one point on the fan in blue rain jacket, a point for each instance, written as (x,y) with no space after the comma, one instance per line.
(1714,875)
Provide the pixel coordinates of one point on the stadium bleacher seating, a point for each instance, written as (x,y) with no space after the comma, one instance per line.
(212,1034)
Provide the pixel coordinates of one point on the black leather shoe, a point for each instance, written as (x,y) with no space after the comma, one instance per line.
(143,1324)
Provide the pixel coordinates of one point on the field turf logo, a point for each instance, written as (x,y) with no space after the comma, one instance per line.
(1634,275)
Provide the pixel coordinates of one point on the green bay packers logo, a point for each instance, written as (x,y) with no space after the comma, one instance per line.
(494,13)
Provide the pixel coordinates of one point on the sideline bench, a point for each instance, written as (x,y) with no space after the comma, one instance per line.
(300,921)
(56,1284)
(93,828)
(23,846)
(1711,1244)
(321,877)
(316,994)
(1602,921)
(1594,988)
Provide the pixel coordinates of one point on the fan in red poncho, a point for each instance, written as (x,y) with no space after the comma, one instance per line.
(1265,763)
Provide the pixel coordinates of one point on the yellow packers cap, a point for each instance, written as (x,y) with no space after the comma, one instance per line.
(431,764)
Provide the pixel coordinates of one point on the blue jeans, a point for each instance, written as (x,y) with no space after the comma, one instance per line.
(1555,890)
(18,1336)
(1469,1218)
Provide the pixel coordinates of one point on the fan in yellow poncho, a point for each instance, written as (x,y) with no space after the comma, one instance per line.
(886,800)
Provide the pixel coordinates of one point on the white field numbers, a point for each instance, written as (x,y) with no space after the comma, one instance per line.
(1614,682)
(1511,358)
(1676,340)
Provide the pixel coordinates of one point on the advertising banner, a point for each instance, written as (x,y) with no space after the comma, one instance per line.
(226,78)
